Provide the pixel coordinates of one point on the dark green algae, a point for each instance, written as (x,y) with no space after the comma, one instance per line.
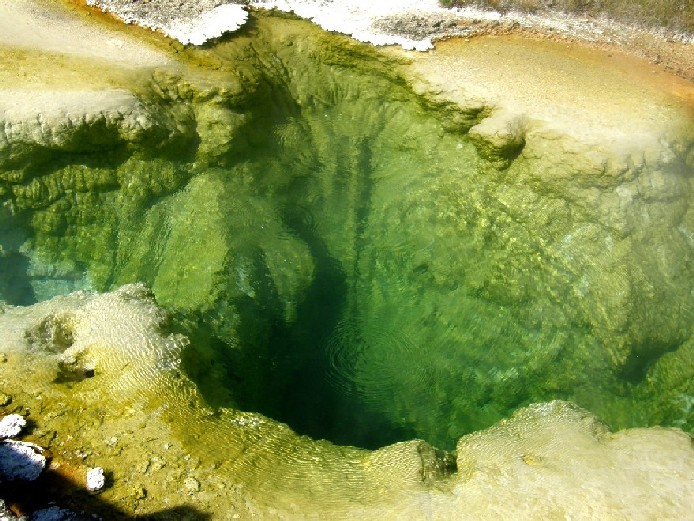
(345,259)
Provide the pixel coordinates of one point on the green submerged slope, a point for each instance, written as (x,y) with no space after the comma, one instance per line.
(349,258)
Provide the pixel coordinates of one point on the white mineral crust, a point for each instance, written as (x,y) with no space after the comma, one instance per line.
(20,461)
(209,24)
(188,22)
(11,425)
(356,17)
(198,21)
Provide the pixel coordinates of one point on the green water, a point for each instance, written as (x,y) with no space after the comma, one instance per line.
(345,260)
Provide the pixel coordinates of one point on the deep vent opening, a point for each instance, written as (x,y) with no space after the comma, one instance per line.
(300,361)
(287,370)
(290,375)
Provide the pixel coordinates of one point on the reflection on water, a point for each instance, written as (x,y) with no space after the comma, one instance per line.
(353,265)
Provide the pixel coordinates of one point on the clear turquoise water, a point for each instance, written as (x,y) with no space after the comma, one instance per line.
(345,261)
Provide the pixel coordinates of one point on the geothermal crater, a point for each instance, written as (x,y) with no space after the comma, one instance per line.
(359,244)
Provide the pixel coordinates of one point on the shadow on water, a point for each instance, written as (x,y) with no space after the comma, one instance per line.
(52,489)
(15,283)
(307,402)
(300,359)
(285,370)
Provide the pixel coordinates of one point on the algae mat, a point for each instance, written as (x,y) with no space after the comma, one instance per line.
(332,250)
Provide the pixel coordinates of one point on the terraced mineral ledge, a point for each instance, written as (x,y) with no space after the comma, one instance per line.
(288,275)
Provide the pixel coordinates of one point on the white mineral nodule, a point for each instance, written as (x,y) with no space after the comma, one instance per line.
(11,425)
(95,479)
(20,461)
(192,485)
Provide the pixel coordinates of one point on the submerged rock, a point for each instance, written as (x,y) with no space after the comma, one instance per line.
(500,138)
